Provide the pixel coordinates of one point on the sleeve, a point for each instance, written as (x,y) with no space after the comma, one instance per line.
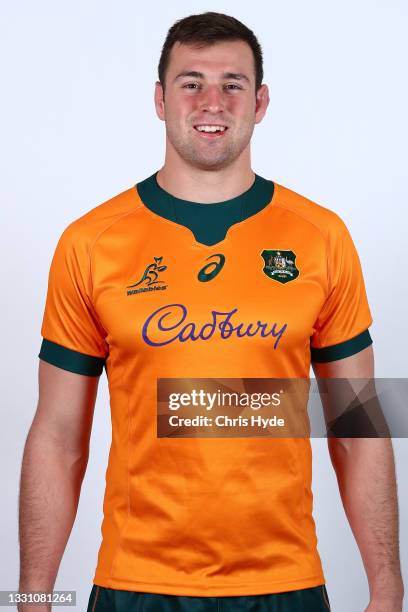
(341,329)
(73,337)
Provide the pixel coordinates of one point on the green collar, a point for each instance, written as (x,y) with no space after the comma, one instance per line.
(208,222)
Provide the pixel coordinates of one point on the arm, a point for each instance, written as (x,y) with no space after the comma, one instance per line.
(366,477)
(54,463)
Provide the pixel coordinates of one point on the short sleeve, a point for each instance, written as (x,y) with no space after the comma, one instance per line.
(341,328)
(73,337)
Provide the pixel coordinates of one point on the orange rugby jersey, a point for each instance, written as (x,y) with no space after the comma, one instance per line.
(129,290)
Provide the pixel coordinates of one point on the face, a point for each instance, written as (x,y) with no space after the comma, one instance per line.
(213,85)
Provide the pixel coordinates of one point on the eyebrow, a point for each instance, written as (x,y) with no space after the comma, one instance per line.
(226,75)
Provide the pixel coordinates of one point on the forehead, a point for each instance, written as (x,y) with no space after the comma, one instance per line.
(229,56)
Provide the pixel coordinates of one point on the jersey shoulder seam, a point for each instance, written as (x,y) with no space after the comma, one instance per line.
(281,204)
(137,208)
(79,228)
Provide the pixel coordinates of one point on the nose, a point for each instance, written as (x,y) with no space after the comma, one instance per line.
(212,99)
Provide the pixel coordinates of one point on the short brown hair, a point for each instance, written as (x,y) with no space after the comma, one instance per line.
(207,29)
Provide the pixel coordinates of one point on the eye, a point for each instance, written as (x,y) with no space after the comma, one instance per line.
(229,86)
(233,85)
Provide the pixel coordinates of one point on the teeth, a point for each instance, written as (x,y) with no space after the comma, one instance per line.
(210,128)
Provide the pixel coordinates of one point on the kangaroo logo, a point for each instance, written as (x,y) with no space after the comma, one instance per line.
(150,277)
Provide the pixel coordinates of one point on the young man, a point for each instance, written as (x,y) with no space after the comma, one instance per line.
(202,270)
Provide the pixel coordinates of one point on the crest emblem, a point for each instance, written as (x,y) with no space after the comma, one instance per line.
(280,265)
(149,280)
(151,274)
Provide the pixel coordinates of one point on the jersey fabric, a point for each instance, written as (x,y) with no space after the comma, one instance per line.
(218,516)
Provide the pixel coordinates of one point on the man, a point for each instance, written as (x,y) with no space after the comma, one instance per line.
(202,270)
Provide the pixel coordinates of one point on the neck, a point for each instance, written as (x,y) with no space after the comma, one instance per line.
(206,186)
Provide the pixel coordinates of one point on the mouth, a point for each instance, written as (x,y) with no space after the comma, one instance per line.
(210,131)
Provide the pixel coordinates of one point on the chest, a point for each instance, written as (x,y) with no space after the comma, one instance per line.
(258,290)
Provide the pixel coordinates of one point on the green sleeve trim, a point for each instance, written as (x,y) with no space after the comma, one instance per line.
(70,360)
(341,350)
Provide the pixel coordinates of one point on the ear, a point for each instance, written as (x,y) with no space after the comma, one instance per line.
(159,100)
(262,101)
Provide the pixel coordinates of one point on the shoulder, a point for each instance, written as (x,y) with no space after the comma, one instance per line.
(85,230)
(325,221)
(100,218)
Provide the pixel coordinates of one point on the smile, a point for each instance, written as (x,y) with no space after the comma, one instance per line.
(211,131)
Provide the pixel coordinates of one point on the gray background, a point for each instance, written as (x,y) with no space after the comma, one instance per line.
(79,126)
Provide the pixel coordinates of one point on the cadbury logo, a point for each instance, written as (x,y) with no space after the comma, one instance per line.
(168,324)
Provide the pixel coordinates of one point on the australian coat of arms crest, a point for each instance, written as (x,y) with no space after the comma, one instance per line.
(280,265)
